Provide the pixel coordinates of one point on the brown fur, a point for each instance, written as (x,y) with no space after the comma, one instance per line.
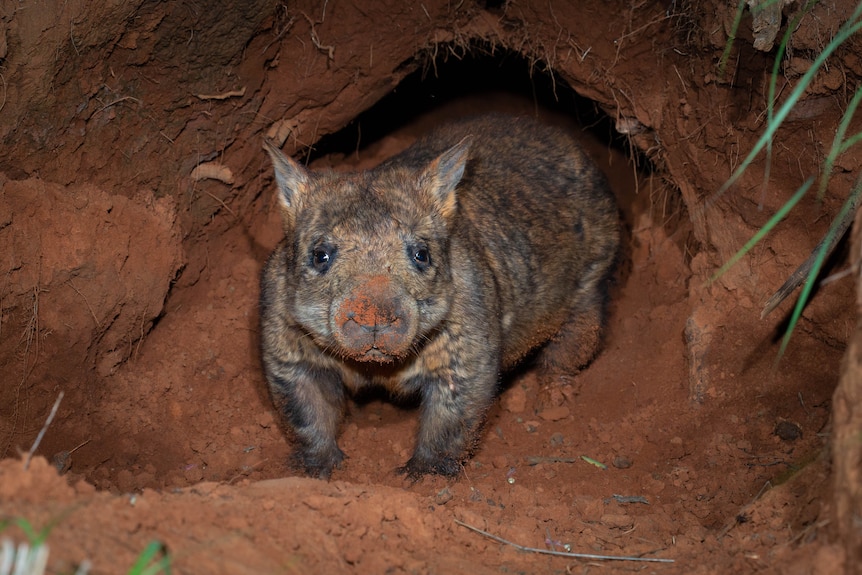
(431,274)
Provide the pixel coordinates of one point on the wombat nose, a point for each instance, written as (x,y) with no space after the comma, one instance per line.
(371,322)
(376,319)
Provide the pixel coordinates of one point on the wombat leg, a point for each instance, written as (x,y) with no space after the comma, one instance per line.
(451,416)
(312,401)
(569,351)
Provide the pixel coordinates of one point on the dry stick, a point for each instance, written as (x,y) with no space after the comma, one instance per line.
(224,96)
(92,313)
(3,103)
(43,430)
(117,101)
(798,277)
(221,201)
(538,459)
(329,49)
(562,553)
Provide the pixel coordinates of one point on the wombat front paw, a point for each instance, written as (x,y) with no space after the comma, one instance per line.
(417,467)
(317,464)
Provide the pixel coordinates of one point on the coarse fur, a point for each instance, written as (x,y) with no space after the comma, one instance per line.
(431,274)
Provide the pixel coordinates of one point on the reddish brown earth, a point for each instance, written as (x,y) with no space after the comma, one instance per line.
(132,288)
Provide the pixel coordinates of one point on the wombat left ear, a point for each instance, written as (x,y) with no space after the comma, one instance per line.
(291,177)
(445,172)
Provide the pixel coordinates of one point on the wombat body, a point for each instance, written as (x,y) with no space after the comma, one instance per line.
(431,274)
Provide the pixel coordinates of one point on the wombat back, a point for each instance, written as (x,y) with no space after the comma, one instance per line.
(538,213)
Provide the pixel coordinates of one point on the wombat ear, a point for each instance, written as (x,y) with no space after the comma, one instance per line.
(445,172)
(291,177)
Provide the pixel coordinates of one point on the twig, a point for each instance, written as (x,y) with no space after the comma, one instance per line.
(79,446)
(245,472)
(278,36)
(323,13)
(43,430)
(92,313)
(562,553)
(329,49)
(3,103)
(117,101)
(538,459)
(72,36)
(224,96)
(219,200)
(826,244)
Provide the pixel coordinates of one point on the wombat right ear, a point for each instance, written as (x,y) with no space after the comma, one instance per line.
(445,172)
(292,178)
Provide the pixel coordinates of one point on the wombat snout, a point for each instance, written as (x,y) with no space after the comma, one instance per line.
(373,323)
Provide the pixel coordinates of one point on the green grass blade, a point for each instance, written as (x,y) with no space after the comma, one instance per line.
(851,141)
(818,265)
(839,144)
(145,564)
(779,57)
(850,27)
(35,539)
(728,46)
(773,82)
(773,221)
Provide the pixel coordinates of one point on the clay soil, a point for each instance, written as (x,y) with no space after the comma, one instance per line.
(130,284)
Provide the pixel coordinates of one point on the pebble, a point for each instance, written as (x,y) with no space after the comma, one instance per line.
(788,431)
(622,462)
(443,496)
(555,413)
(617,521)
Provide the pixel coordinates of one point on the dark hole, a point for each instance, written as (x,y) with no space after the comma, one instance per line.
(459,72)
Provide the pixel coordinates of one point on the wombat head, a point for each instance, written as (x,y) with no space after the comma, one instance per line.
(367,253)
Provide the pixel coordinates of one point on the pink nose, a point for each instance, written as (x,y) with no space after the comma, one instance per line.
(370,322)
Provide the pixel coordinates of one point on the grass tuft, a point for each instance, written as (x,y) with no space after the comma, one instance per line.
(808,271)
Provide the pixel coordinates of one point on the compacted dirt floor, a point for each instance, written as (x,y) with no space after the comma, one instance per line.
(687,440)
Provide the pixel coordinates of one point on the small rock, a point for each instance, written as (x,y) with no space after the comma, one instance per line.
(515,400)
(443,496)
(62,461)
(617,521)
(677,448)
(622,462)
(788,431)
(555,413)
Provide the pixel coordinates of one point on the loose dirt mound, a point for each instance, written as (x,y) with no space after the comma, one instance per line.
(132,287)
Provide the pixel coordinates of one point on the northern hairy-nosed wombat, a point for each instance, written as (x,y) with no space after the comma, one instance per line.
(431,274)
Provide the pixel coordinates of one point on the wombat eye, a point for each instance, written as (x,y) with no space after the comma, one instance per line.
(421,257)
(321,258)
